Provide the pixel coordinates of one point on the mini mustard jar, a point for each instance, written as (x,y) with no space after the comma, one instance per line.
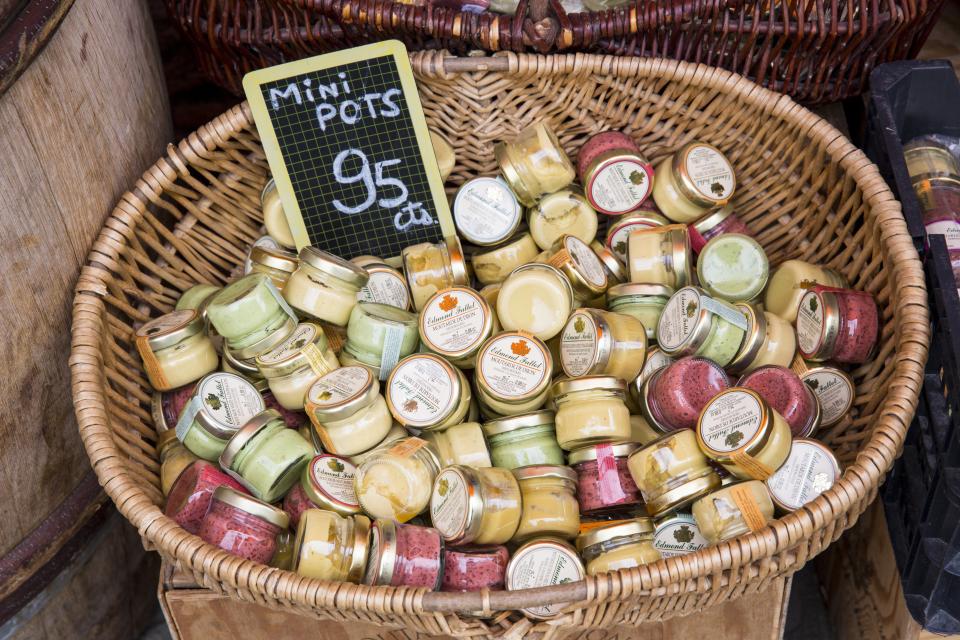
(534,163)
(565,212)
(455,323)
(769,340)
(493,265)
(645,302)
(833,387)
(597,342)
(695,179)
(380,335)
(660,255)
(329,546)
(618,232)
(836,324)
(734,510)
(251,315)
(274,218)
(620,545)
(325,483)
(295,364)
(347,411)
(276,264)
(616,177)
(475,506)
(535,298)
(220,404)
(582,267)
(523,440)
(425,392)
(432,267)
(733,267)
(325,286)
(513,374)
(694,323)
(386,285)
(462,444)
(175,349)
(394,482)
(544,562)
(810,469)
(549,502)
(485,211)
(677,534)
(672,472)
(739,430)
(591,410)
(790,281)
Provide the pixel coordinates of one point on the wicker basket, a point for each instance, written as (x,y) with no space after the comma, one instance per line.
(803,188)
(812,50)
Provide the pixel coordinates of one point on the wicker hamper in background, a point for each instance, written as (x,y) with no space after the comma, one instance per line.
(803,188)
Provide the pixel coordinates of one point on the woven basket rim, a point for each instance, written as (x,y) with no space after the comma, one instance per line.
(858,483)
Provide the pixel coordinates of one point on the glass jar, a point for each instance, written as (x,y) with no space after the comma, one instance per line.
(283,556)
(577,261)
(485,211)
(266,457)
(395,481)
(770,340)
(739,430)
(190,495)
(549,502)
(175,350)
(660,255)
(385,286)
(790,282)
(274,218)
(395,435)
(480,506)
(733,267)
(619,230)
(295,364)
(381,335)
(331,547)
(493,265)
(810,469)
(655,360)
(694,323)
(513,374)
(674,396)
(432,267)
(174,459)
(715,223)
(534,163)
(734,510)
(325,286)
(604,483)
(404,555)
(624,545)
(347,411)
(677,534)
(276,264)
(645,302)
(197,297)
(834,389)
(837,324)
(940,203)
(460,444)
(263,241)
(615,176)
(535,298)
(455,323)
(251,315)
(616,273)
(544,562)
(243,526)
(561,213)
(245,368)
(597,342)
(591,410)
(325,483)
(672,472)
(694,180)
(523,440)
(474,568)
(787,395)
(220,404)
(426,392)
(927,158)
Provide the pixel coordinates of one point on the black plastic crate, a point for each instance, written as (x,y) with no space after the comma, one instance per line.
(909,99)
(943,403)
(931,594)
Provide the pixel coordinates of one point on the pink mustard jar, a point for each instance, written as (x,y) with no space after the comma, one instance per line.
(616,177)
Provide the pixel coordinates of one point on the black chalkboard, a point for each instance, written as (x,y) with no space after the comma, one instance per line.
(348,145)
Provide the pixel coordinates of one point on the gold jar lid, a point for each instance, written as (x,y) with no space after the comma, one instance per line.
(676,242)
(543,562)
(245,434)
(269,341)
(723,438)
(703,174)
(638,289)
(455,322)
(615,271)
(591,453)
(560,472)
(513,175)
(423,390)
(328,482)
(818,324)
(458,264)
(713,218)
(341,393)
(383,553)
(303,348)
(456,504)
(753,341)
(247,368)
(567,386)
(684,495)
(586,343)
(334,266)
(522,421)
(655,360)
(513,366)
(576,260)
(274,258)
(170,329)
(249,504)
(833,387)
(599,535)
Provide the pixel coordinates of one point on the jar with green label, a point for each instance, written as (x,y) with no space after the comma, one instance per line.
(347,411)
(381,335)
(523,440)
(325,286)
(295,364)
(695,323)
(175,350)
(220,404)
(645,302)
(251,315)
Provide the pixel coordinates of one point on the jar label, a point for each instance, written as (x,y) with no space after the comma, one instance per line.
(407,447)
(450,504)
(225,399)
(385,286)
(808,472)
(317,360)
(618,236)
(267,242)
(513,365)
(710,173)
(677,536)
(339,386)
(334,477)
(747,505)
(578,345)
(587,262)
(730,421)
(656,360)
(834,391)
(543,565)
(390,353)
(272,288)
(810,323)
(453,322)
(421,391)
(485,211)
(619,185)
(680,317)
(949,229)
(305,334)
(728,312)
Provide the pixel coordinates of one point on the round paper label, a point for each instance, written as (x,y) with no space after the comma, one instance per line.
(421,390)
(386,287)
(453,322)
(806,474)
(620,185)
(485,211)
(578,345)
(303,335)
(544,565)
(449,504)
(834,391)
(339,386)
(710,172)
(229,400)
(678,535)
(587,262)
(810,323)
(513,365)
(334,476)
(730,421)
(679,318)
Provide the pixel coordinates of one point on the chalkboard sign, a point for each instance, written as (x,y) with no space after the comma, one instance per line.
(348,145)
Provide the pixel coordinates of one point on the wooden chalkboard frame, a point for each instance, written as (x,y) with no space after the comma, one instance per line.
(253,81)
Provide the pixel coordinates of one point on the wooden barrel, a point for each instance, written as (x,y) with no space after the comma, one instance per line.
(80,119)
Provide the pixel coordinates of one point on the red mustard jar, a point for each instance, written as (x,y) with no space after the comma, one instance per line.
(723,220)
(474,568)
(837,324)
(604,483)
(326,483)
(404,555)
(673,397)
(242,525)
(787,395)
(190,495)
(616,177)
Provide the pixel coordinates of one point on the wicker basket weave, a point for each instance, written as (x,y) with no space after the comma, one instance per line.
(802,187)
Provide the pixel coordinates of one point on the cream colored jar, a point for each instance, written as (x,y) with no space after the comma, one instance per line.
(475,506)
(550,505)
(734,510)
(695,179)
(591,410)
(276,264)
(325,286)
(535,298)
(329,546)
(619,230)
(175,350)
(461,444)
(485,211)
(597,342)
(295,364)
(534,163)
(395,481)
(446,156)
(432,267)
(544,562)
(671,472)
(425,392)
(347,411)
(494,265)
(769,340)
(274,218)
(562,213)
(810,469)
(790,281)
(621,545)
(513,374)
(576,260)
(385,286)
(454,324)
(660,255)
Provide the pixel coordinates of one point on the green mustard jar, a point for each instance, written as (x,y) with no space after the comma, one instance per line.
(645,302)
(695,323)
(524,440)
(266,457)
(381,335)
(220,404)
(251,315)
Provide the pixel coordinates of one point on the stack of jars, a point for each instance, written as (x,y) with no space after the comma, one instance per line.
(577,404)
